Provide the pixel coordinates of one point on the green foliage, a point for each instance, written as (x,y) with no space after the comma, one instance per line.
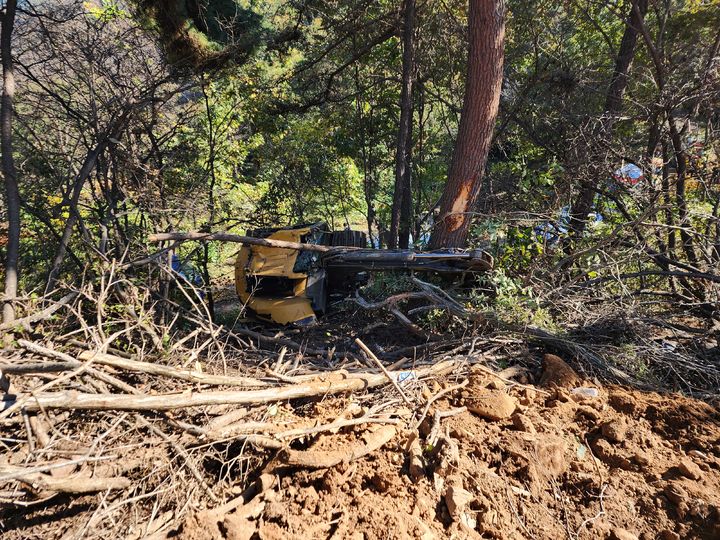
(308,181)
(106,11)
(297,121)
(513,302)
(204,35)
(385,284)
(521,248)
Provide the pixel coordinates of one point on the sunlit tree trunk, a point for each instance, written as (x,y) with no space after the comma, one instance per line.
(12,195)
(406,209)
(486,33)
(402,195)
(212,144)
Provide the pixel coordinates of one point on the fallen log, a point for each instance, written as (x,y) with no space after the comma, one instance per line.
(133,365)
(170,372)
(72,400)
(74,484)
(20,368)
(239,239)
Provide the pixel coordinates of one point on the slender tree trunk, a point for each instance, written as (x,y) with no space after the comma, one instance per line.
(368,181)
(212,143)
(402,195)
(486,30)
(624,59)
(680,200)
(12,194)
(406,208)
(613,105)
(667,202)
(80,179)
(420,160)
(654,133)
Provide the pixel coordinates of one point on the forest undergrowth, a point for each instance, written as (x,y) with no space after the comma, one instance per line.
(129,413)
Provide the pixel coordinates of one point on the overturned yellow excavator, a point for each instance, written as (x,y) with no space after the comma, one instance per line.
(290,285)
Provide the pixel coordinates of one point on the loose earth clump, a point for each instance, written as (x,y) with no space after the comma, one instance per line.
(541,462)
(340,433)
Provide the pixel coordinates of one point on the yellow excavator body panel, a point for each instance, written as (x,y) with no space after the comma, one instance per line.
(268,261)
(255,262)
(292,286)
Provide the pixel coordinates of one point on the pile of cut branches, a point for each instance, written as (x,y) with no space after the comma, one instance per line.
(141,408)
(123,408)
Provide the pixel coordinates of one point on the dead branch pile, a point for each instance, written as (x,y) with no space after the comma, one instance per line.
(141,403)
(140,408)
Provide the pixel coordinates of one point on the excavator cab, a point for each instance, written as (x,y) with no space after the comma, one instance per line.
(286,285)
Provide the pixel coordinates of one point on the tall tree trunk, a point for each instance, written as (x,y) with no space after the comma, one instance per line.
(402,204)
(613,105)
(680,200)
(624,59)
(80,179)
(486,33)
(12,195)
(406,208)
(212,143)
(420,161)
(368,184)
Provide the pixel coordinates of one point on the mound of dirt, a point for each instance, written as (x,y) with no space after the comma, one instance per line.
(518,462)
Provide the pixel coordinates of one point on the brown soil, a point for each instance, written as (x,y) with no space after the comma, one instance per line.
(625,464)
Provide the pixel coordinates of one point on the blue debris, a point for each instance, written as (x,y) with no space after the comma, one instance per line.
(187,271)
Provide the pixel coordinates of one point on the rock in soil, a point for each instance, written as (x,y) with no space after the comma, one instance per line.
(523,423)
(690,469)
(641,459)
(491,404)
(551,456)
(615,430)
(456,497)
(622,534)
(675,493)
(238,528)
(557,373)
(589,412)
